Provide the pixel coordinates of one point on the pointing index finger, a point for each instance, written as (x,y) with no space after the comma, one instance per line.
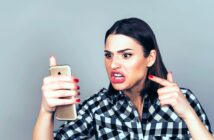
(159,80)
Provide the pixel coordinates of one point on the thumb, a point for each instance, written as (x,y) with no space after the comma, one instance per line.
(52,60)
(170,77)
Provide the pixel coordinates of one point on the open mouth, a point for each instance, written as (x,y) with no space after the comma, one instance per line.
(117,77)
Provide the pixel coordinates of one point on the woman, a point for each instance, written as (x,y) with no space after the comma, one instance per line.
(142,101)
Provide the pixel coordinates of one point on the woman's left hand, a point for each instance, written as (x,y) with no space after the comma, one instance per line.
(170,94)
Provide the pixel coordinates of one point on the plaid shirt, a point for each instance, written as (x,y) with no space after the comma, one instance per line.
(114,117)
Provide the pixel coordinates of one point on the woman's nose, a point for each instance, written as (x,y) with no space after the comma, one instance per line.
(115,63)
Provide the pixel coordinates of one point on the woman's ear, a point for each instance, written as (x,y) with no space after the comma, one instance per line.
(151,58)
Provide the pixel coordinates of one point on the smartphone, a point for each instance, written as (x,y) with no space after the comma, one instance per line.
(67,112)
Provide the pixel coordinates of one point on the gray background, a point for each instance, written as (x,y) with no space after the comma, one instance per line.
(73,31)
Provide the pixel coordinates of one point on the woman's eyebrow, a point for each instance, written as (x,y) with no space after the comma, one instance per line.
(119,51)
(107,51)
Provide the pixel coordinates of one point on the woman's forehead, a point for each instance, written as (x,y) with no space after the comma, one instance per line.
(117,42)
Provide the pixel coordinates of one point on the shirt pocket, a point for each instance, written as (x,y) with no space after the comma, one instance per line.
(110,128)
(167,130)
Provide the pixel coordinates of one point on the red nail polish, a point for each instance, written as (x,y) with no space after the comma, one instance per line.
(78,87)
(78,100)
(78,93)
(151,76)
(76,80)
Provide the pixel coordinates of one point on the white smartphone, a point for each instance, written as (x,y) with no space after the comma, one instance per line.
(67,112)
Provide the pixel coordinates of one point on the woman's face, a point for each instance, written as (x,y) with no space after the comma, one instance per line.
(125,62)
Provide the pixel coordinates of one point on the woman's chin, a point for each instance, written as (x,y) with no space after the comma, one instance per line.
(119,87)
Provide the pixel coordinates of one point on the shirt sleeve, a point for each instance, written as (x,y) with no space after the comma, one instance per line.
(198,109)
(82,128)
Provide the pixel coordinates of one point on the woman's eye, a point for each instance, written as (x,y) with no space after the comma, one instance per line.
(127,55)
(107,55)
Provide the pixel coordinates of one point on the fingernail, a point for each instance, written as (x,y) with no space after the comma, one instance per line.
(78,100)
(78,93)
(76,80)
(151,76)
(78,87)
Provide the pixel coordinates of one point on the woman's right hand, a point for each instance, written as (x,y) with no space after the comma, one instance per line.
(58,90)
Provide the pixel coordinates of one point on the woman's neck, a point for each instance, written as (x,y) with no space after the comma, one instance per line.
(137,100)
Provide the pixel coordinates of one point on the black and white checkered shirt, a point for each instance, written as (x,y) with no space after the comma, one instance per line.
(114,117)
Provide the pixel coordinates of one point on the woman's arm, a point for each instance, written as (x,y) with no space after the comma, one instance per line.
(43,128)
(197,129)
(170,94)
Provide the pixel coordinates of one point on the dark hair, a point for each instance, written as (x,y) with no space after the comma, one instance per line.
(143,34)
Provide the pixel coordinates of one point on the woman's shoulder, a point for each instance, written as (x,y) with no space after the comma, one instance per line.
(190,96)
(185,90)
(194,102)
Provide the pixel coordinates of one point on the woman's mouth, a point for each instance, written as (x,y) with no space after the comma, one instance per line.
(117,77)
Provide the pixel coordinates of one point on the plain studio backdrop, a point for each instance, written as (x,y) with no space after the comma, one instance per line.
(73,31)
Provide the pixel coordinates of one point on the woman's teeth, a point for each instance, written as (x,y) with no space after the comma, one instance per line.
(117,75)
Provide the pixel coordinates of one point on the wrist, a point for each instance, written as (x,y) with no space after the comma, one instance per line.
(46,112)
(47,116)
(189,115)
